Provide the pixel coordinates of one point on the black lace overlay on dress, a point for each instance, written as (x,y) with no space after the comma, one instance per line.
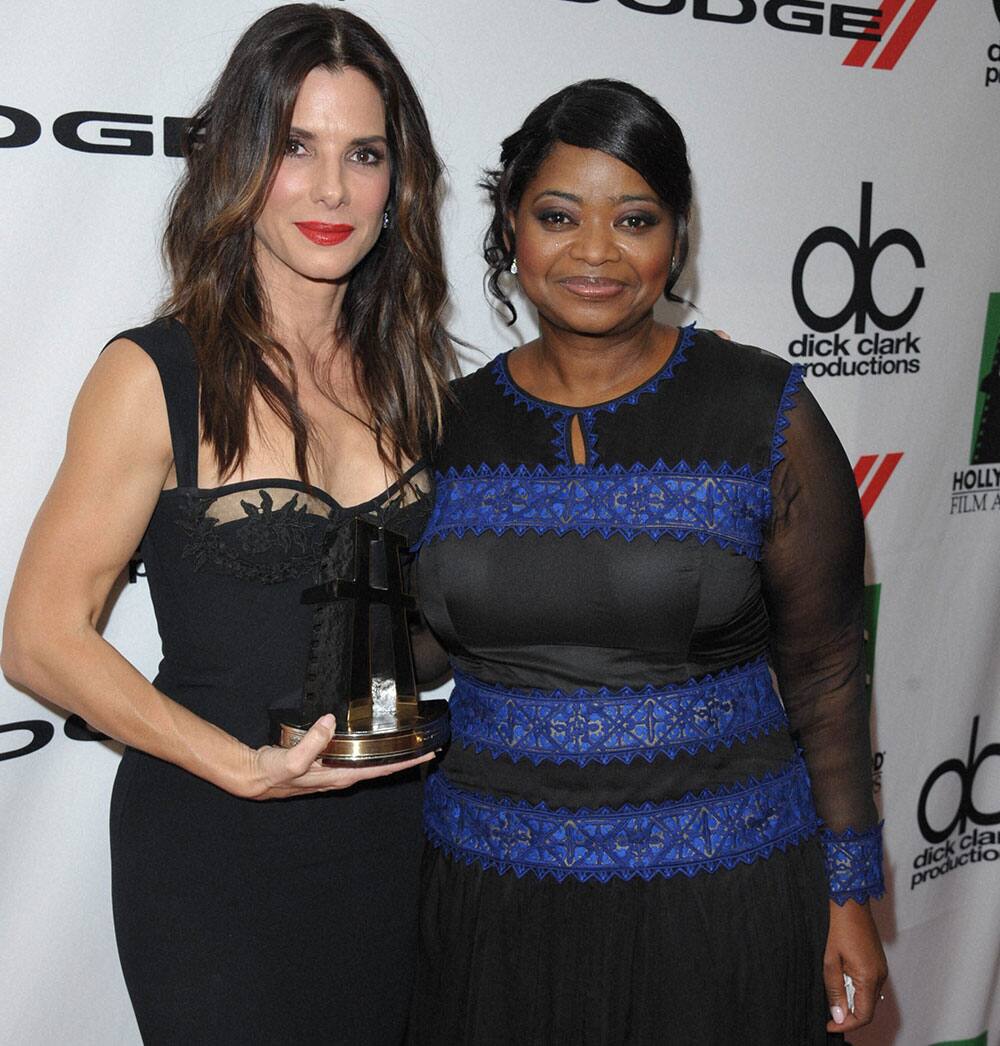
(271,534)
(268,543)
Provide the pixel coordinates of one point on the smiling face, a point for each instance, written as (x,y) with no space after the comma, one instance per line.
(324,210)
(594,243)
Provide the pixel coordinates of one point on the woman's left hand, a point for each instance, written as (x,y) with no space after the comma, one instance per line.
(853,948)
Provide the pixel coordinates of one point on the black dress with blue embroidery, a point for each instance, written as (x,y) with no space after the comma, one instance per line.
(290,921)
(633,839)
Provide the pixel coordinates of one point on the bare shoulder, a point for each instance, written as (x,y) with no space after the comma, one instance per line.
(121,405)
(125,363)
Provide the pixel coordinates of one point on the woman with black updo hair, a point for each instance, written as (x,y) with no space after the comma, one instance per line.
(633,837)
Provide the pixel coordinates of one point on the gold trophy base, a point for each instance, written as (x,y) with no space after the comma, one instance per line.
(364,746)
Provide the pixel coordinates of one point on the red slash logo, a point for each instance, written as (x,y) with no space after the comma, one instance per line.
(894,42)
(872,483)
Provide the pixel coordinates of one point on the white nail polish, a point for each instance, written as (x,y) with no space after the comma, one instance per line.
(837,1013)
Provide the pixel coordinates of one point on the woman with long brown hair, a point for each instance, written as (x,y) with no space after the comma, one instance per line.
(293,380)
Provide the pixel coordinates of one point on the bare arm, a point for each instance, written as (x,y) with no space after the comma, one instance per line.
(118,457)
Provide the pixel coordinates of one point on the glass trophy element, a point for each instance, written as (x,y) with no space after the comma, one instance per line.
(360,664)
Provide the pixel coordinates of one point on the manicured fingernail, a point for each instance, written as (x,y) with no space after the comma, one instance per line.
(837,1012)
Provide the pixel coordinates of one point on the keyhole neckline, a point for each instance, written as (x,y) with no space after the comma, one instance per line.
(511,388)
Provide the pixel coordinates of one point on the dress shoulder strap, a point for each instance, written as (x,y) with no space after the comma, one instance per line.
(168,344)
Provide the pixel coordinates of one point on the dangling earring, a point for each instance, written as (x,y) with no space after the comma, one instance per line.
(513,267)
(385,220)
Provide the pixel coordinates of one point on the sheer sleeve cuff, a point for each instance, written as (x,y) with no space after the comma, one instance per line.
(854,864)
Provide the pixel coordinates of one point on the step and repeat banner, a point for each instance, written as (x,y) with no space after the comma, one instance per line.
(847,216)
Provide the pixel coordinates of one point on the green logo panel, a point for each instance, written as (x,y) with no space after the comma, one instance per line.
(979,1040)
(986,423)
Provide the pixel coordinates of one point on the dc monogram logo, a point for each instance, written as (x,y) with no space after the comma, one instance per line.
(966,773)
(863,253)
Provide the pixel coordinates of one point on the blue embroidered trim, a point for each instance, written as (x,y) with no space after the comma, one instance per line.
(792,385)
(677,357)
(854,864)
(728,506)
(699,833)
(562,441)
(599,726)
(589,437)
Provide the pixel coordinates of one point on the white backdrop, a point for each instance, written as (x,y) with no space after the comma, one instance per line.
(788,120)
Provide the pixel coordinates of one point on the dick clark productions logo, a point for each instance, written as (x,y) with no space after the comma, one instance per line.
(982,843)
(882,351)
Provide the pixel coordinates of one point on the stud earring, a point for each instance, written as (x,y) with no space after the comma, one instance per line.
(513,267)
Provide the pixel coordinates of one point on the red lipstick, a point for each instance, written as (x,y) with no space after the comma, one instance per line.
(323,234)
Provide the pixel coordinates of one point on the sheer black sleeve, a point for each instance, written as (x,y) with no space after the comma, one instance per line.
(813,576)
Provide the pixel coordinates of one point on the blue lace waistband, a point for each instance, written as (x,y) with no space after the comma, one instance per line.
(598,726)
(704,832)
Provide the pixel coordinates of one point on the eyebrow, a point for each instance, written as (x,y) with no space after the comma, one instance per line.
(369,139)
(626,198)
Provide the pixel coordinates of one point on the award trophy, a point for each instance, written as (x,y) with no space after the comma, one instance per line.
(360,664)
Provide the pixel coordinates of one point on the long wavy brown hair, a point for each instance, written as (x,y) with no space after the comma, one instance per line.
(392,311)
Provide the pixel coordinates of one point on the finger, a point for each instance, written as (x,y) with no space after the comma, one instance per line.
(311,746)
(866,995)
(724,335)
(345,777)
(836,995)
(866,992)
(391,768)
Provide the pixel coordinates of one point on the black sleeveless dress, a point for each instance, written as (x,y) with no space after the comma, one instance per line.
(632,838)
(284,921)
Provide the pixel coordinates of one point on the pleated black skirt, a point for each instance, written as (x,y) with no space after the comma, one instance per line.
(732,957)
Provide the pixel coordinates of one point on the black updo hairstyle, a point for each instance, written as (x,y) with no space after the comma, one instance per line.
(612,116)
